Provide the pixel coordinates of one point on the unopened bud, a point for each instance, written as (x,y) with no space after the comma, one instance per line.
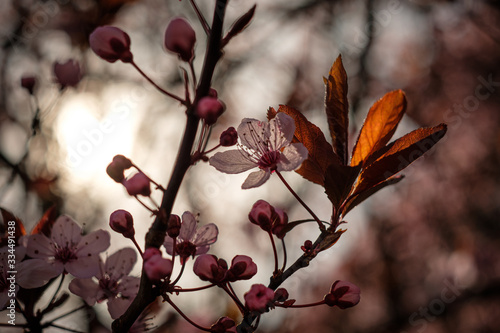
(209,109)
(280,295)
(343,294)
(68,74)
(180,38)
(174,226)
(229,137)
(122,222)
(138,184)
(157,267)
(111,44)
(116,168)
(28,83)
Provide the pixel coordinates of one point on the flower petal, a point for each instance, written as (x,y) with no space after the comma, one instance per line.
(93,243)
(252,132)
(281,130)
(188,226)
(232,161)
(86,289)
(169,244)
(83,267)
(255,179)
(66,231)
(39,246)
(129,286)
(205,235)
(120,263)
(292,157)
(118,306)
(34,273)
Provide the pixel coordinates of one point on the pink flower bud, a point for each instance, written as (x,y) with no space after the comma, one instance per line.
(343,294)
(138,184)
(116,168)
(111,44)
(180,38)
(209,109)
(223,325)
(259,298)
(262,214)
(280,220)
(157,267)
(150,251)
(229,137)
(212,93)
(68,74)
(280,295)
(174,226)
(208,268)
(122,222)
(28,83)
(242,268)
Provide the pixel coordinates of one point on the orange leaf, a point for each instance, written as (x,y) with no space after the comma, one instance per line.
(379,126)
(337,108)
(44,226)
(398,155)
(338,182)
(321,155)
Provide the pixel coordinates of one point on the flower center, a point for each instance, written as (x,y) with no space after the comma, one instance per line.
(269,160)
(65,254)
(186,249)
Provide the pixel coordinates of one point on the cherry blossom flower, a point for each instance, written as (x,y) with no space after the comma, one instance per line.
(111,44)
(111,283)
(270,219)
(209,268)
(343,294)
(259,298)
(242,268)
(180,38)
(266,146)
(192,241)
(67,250)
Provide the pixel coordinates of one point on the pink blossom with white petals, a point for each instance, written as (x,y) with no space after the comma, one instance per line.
(67,250)
(264,145)
(192,241)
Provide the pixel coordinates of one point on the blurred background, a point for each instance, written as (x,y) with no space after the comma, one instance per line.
(424,252)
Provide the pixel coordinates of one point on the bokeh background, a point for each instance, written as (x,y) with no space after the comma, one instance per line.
(425,252)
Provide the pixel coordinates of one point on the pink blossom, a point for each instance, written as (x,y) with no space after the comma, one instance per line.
(242,268)
(180,38)
(270,219)
(122,222)
(264,145)
(192,241)
(259,298)
(208,268)
(138,184)
(157,267)
(67,250)
(111,283)
(343,294)
(111,44)
(68,74)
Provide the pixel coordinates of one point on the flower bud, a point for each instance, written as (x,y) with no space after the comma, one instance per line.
(343,294)
(68,74)
(174,226)
(209,109)
(116,168)
(307,246)
(242,268)
(261,214)
(157,267)
(180,38)
(111,44)
(138,184)
(280,220)
(229,137)
(212,93)
(122,222)
(149,252)
(223,325)
(28,83)
(280,295)
(259,298)
(208,268)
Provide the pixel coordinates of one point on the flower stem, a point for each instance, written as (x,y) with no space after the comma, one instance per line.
(137,246)
(301,305)
(157,86)
(284,255)
(275,253)
(203,22)
(320,224)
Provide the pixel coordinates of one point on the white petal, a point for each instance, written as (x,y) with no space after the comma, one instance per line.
(86,289)
(206,235)
(232,161)
(93,243)
(34,273)
(39,246)
(292,157)
(66,231)
(255,179)
(169,244)
(281,130)
(253,133)
(188,226)
(120,263)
